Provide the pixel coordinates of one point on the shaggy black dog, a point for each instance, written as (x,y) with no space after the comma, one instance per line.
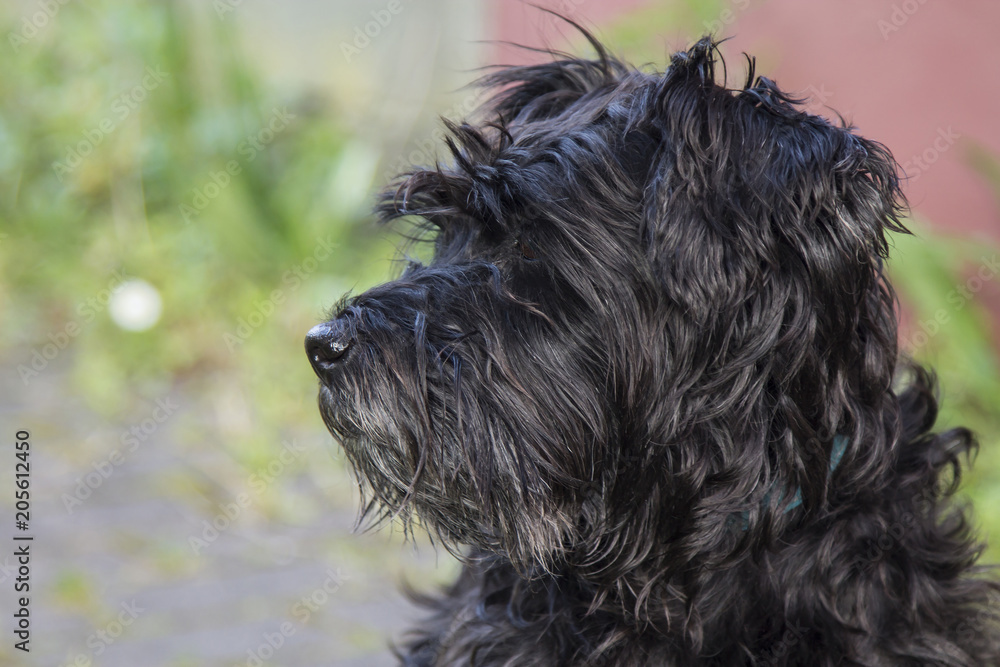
(648,387)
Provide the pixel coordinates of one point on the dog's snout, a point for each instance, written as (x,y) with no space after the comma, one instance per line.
(327,345)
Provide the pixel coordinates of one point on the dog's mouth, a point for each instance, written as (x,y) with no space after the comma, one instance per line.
(333,350)
(417,413)
(361,389)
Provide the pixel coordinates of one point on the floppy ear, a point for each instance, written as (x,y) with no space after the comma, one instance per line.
(767,231)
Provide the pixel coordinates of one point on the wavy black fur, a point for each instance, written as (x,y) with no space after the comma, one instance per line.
(654,302)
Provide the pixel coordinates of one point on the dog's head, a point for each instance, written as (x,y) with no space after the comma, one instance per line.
(654,302)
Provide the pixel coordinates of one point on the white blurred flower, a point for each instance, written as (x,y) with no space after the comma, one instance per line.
(135,306)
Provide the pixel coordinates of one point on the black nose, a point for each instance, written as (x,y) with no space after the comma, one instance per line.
(327,345)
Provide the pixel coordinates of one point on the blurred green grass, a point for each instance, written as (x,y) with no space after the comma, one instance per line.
(67,231)
(105,168)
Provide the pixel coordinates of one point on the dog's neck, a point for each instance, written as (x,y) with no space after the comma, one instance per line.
(836,454)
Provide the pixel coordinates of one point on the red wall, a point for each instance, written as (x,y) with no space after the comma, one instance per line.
(925,83)
(920,76)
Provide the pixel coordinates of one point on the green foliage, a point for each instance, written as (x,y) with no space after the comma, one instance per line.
(133,138)
(938,280)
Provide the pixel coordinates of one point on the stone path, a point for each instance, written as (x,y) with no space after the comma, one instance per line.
(117,582)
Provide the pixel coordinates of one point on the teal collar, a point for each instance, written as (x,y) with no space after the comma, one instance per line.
(836,454)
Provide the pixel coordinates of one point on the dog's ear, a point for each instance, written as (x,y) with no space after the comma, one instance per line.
(766,230)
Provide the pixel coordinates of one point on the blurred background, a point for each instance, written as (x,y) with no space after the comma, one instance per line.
(184,190)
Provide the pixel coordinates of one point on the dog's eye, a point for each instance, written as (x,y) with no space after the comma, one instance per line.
(525,249)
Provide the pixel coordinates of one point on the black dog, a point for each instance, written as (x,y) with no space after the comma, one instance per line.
(648,387)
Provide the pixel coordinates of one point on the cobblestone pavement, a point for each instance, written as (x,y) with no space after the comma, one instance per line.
(126,570)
